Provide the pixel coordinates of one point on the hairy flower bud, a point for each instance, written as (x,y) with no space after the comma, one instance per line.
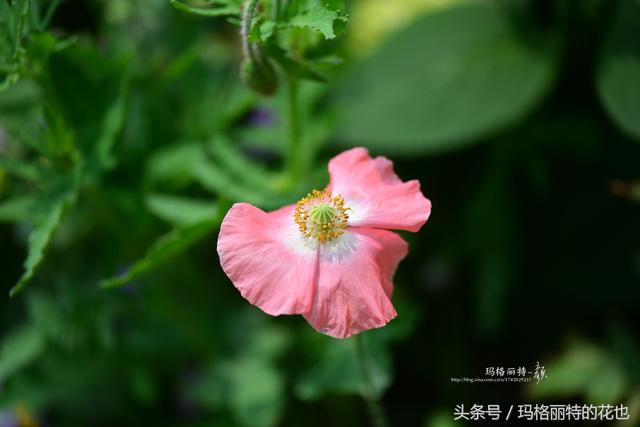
(258,74)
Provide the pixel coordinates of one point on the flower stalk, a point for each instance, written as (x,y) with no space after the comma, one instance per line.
(255,71)
(368,391)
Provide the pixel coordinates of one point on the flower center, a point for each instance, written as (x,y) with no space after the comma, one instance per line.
(321,216)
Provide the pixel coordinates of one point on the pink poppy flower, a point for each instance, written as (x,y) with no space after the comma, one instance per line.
(329,257)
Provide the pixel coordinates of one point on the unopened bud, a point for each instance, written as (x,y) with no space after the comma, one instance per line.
(259,75)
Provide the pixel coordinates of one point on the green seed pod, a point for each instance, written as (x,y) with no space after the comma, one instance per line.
(259,75)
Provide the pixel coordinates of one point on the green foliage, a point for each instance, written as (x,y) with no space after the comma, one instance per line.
(427,89)
(442,419)
(166,247)
(220,8)
(249,384)
(280,32)
(77,141)
(319,19)
(618,73)
(492,245)
(51,211)
(126,134)
(19,349)
(333,365)
(180,210)
(16,209)
(13,20)
(337,370)
(584,369)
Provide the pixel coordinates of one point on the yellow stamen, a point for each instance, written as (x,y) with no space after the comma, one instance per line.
(321,216)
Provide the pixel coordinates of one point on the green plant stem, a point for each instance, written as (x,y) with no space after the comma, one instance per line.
(275,13)
(293,154)
(248,12)
(368,391)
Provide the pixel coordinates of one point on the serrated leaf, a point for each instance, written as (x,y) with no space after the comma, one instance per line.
(181,210)
(52,209)
(166,247)
(447,80)
(618,72)
(317,19)
(19,348)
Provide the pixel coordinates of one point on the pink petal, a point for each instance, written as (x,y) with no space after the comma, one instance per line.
(375,194)
(354,287)
(266,259)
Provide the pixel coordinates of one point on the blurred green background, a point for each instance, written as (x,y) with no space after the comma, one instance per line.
(125,135)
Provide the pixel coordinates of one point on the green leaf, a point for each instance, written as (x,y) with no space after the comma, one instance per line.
(618,72)
(13,20)
(299,68)
(21,112)
(225,8)
(249,383)
(583,369)
(215,179)
(172,165)
(17,209)
(182,164)
(52,209)
(449,79)
(112,125)
(257,392)
(317,19)
(166,247)
(251,387)
(266,30)
(25,170)
(102,80)
(236,163)
(181,210)
(19,349)
(337,369)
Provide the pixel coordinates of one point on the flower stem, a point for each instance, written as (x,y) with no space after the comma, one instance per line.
(275,10)
(248,11)
(368,391)
(293,153)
